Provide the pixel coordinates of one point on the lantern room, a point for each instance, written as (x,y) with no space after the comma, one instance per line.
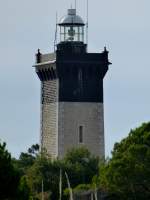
(71,27)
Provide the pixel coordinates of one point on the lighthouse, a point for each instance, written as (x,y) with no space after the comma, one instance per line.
(72,109)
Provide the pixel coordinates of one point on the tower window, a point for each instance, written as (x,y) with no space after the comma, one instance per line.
(80,134)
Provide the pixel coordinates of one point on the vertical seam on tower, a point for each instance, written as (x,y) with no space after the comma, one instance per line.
(57,112)
(41,118)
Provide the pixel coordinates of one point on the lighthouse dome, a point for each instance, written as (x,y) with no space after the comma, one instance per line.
(71,19)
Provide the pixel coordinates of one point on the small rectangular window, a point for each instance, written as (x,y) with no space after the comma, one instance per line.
(80,134)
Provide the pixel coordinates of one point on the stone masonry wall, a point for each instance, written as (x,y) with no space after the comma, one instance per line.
(49,117)
(91,117)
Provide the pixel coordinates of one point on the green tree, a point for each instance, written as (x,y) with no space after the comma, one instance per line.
(23,189)
(79,164)
(9,176)
(47,171)
(127,174)
(26,160)
(34,150)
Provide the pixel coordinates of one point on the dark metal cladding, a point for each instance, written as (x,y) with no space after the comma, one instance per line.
(80,73)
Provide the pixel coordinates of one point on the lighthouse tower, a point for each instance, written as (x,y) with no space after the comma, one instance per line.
(72,113)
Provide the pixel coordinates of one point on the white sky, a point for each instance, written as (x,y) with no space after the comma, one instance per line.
(122,25)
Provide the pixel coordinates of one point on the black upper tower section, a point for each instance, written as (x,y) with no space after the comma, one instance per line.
(80,73)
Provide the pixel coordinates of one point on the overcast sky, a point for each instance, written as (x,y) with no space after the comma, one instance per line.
(26,25)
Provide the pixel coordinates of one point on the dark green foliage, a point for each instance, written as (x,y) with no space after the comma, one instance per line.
(9,176)
(34,150)
(23,189)
(78,163)
(46,170)
(127,174)
(13,184)
(19,179)
(26,160)
(81,166)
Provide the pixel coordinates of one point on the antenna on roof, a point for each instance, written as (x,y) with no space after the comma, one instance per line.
(75,4)
(87,23)
(55,40)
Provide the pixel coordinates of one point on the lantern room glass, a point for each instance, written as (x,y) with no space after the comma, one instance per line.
(72,33)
